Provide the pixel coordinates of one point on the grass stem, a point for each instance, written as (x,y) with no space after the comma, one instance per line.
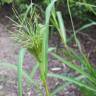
(46,87)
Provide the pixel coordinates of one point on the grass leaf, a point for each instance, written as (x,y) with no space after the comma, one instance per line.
(62,28)
(72,80)
(20,71)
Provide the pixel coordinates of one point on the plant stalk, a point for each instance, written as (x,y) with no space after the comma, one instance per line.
(46,87)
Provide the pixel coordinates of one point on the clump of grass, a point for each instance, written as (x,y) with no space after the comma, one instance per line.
(86,79)
(33,35)
(29,32)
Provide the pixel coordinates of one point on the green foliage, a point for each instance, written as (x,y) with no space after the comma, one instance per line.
(87,72)
(78,11)
(86,92)
(20,1)
(6,1)
(82,11)
(33,35)
(10,1)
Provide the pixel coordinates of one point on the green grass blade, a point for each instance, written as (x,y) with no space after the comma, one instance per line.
(44,63)
(20,71)
(35,67)
(85,26)
(73,80)
(48,11)
(50,49)
(62,28)
(71,65)
(73,28)
(81,29)
(75,67)
(86,4)
(62,86)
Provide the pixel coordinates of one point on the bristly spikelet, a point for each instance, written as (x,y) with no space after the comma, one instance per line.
(33,42)
(30,35)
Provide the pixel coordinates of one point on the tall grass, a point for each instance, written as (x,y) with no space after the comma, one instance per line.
(85,69)
(34,35)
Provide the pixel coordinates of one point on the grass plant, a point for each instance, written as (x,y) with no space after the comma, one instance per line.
(34,35)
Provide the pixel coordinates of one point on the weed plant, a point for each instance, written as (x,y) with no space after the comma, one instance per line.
(33,35)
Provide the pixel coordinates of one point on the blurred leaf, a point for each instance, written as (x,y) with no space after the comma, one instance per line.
(62,28)
(20,71)
(48,11)
(50,49)
(44,64)
(72,80)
